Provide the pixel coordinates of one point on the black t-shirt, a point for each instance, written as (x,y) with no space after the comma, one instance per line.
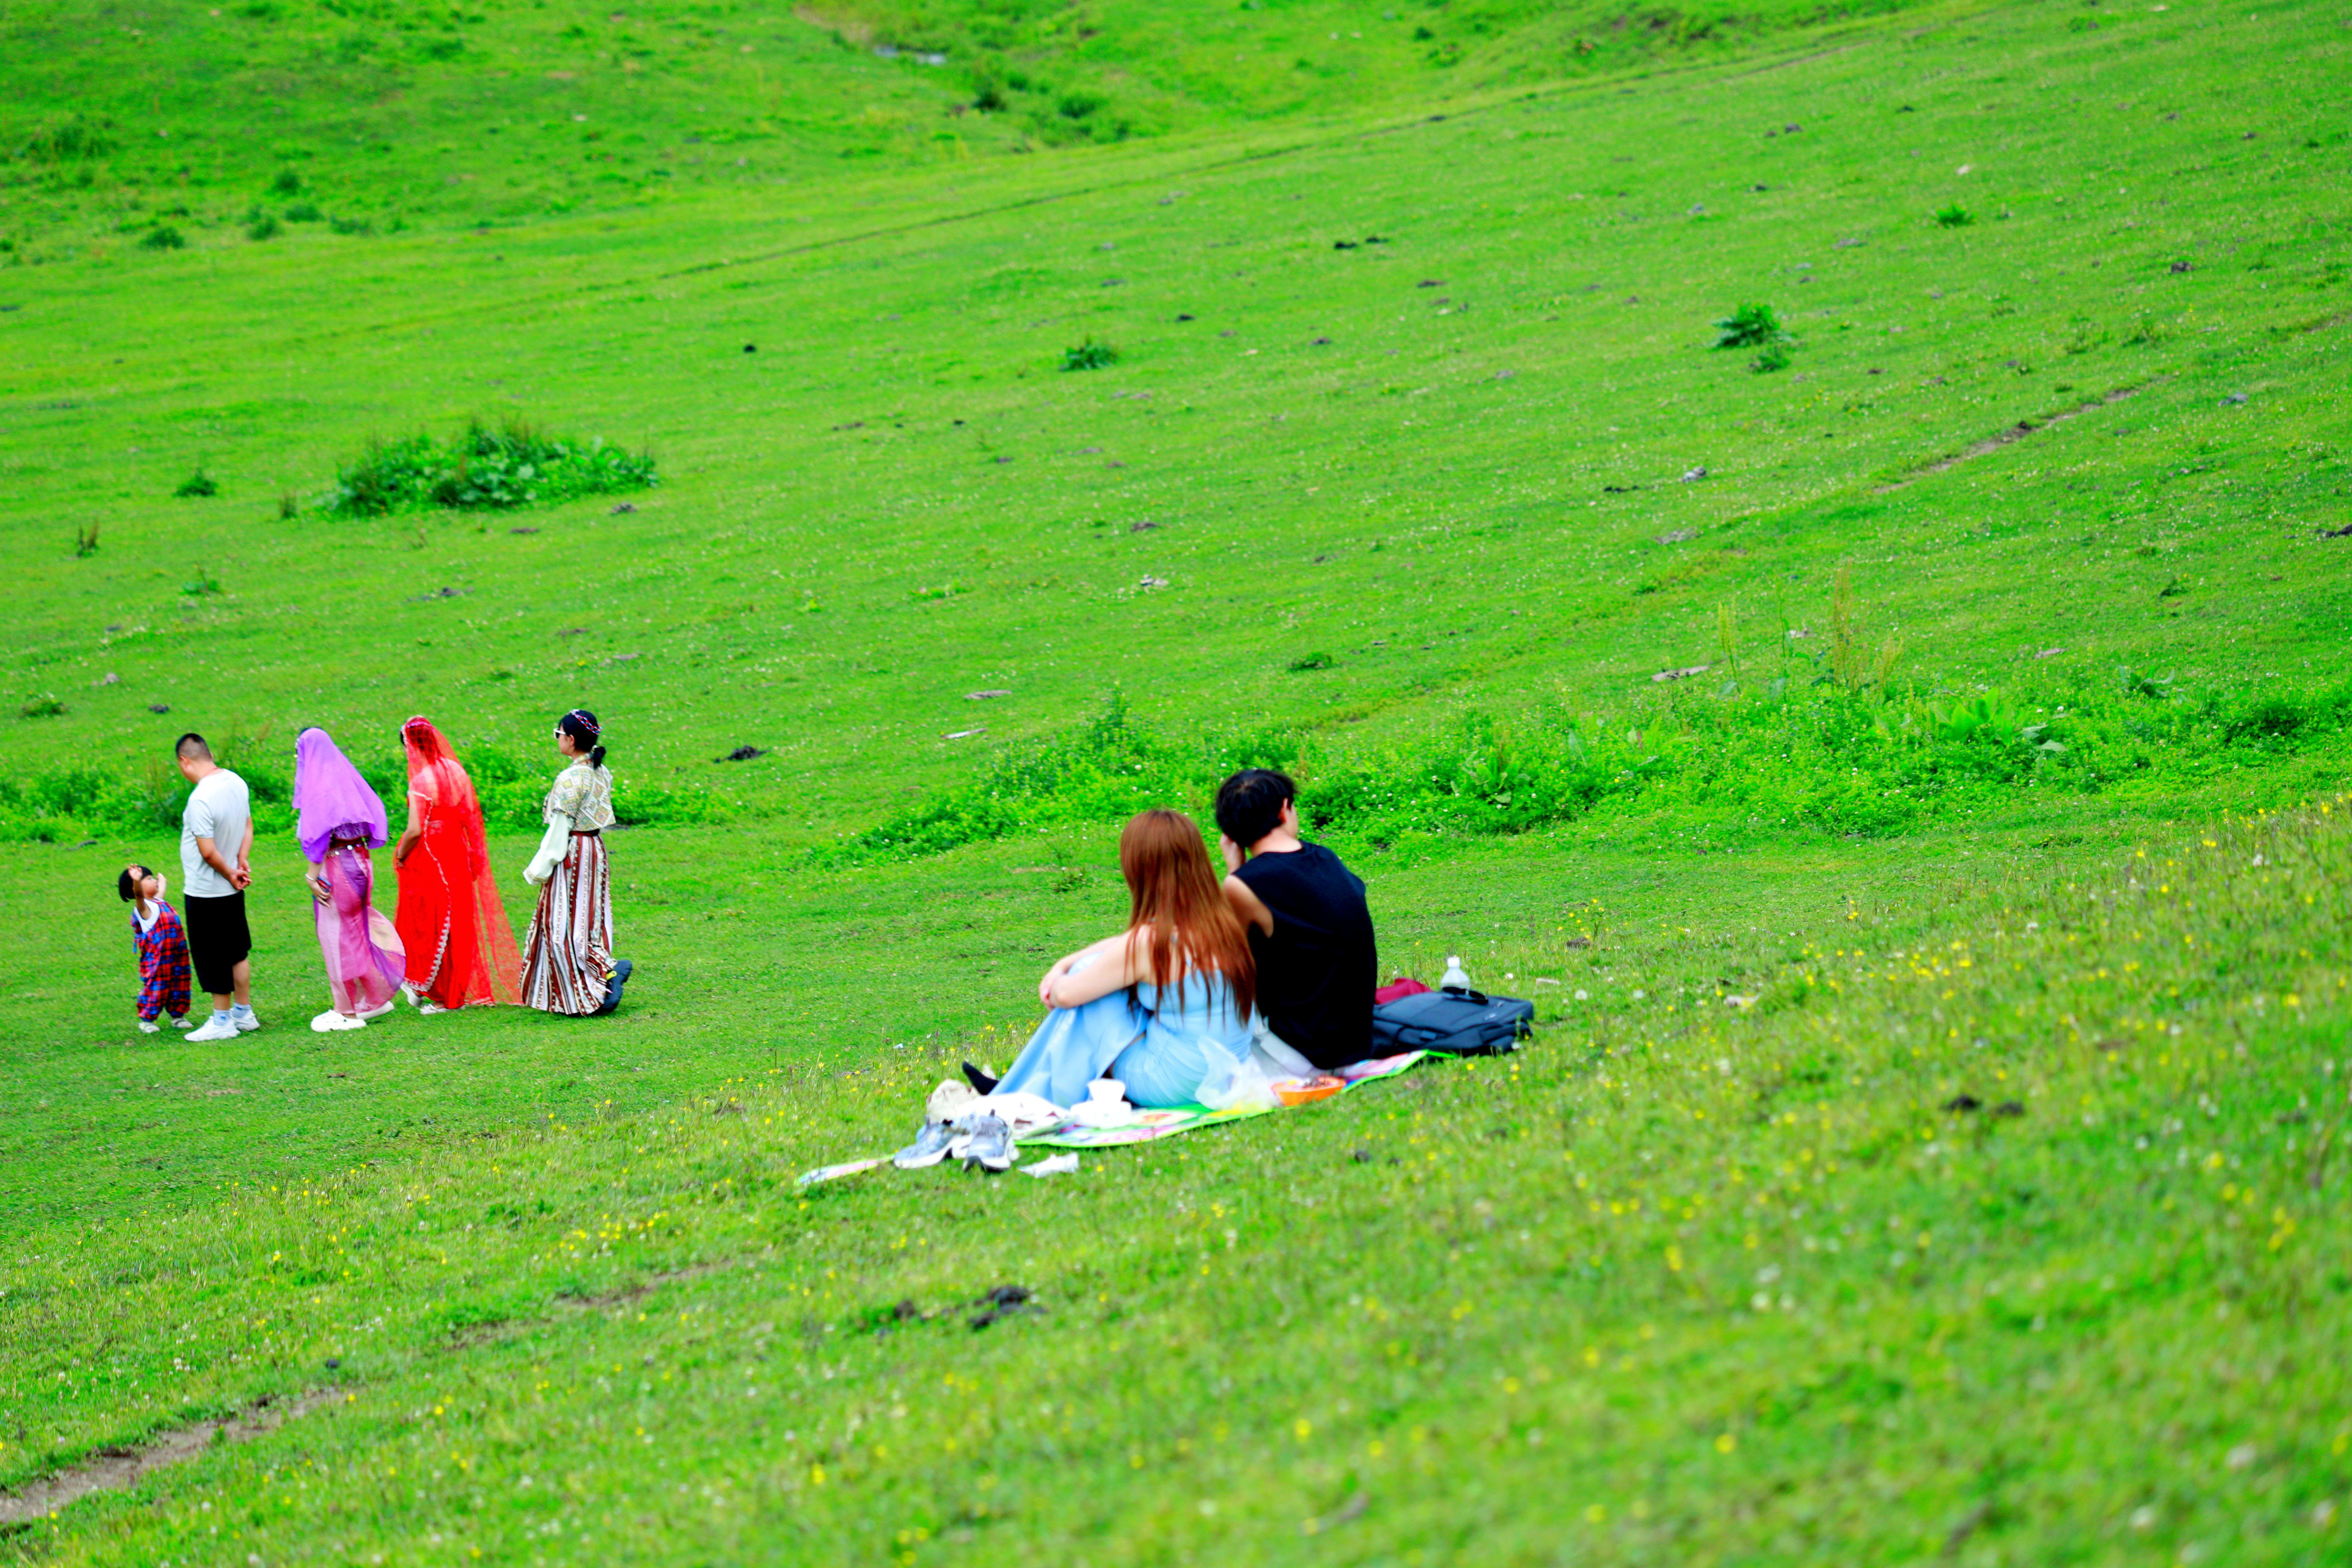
(1316,973)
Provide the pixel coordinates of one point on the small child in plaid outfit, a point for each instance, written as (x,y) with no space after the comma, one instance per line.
(163,949)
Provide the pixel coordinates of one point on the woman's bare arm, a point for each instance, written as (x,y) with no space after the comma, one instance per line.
(417,807)
(1094,971)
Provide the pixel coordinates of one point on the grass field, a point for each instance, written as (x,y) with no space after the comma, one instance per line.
(1999,775)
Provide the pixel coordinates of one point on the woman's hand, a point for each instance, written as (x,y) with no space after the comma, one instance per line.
(1232,853)
(317,885)
(1046,986)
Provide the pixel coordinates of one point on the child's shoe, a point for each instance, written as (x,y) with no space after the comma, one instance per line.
(150,1027)
(180,1022)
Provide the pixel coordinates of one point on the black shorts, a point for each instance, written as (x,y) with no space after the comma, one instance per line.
(218,939)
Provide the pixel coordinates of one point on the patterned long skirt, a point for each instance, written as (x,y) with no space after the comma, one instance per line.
(569,954)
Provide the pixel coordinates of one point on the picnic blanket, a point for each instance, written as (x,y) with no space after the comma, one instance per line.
(1147,1126)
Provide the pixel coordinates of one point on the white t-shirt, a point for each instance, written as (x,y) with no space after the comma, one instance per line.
(218,809)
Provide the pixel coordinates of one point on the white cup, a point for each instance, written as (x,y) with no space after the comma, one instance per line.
(1106,1092)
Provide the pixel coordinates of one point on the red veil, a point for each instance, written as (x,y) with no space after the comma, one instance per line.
(461,950)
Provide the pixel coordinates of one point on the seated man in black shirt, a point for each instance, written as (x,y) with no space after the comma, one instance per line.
(1309,928)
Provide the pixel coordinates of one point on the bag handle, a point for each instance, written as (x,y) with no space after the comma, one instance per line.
(1466,994)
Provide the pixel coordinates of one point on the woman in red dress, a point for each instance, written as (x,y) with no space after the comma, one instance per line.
(461,950)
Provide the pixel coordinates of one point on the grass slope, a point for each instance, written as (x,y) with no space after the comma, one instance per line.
(1416,511)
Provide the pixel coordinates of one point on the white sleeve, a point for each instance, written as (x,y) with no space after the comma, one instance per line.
(553,846)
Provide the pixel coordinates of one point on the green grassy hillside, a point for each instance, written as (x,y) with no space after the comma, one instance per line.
(231,124)
(1909,779)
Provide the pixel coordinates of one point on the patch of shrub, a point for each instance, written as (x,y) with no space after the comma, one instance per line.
(305,212)
(1954,216)
(484,469)
(73,140)
(1079,105)
(197,484)
(1089,355)
(1749,327)
(289,183)
(85,540)
(203,585)
(41,705)
(263,227)
(1313,661)
(163,236)
(349,226)
(1858,764)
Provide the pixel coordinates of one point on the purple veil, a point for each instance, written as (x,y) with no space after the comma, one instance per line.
(330,798)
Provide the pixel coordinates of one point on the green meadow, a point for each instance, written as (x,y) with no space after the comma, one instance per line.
(1902,754)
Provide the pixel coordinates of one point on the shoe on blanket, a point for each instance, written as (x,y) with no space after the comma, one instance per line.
(929,1147)
(987,1144)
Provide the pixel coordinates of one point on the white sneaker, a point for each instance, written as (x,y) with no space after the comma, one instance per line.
(379,1011)
(426,1009)
(213,1029)
(245,1025)
(149,1027)
(180,1022)
(327,1023)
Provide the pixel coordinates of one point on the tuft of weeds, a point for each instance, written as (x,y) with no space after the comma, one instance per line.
(289,506)
(289,183)
(349,226)
(85,542)
(196,484)
(484,469)
(1755,326)
(163,236)
(1954,216)
(202,585)
(1313,661)
(263,227)
(305,212)
(41,705)
(1089,355)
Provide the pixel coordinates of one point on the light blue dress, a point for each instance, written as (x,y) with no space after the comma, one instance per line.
(1162,1048)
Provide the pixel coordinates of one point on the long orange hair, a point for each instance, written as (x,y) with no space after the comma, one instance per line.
(1173,892)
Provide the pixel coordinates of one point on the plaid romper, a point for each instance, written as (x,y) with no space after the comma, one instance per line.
(162,964)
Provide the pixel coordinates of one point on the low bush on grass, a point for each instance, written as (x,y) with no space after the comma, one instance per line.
(163,236)
(262,227)
(1860,762)
(484,470)
(197,485)
(67,804)
(1954,216)
(1089,355)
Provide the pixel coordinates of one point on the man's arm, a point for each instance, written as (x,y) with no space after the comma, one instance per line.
(1249,906)
(243,875)
(209,853)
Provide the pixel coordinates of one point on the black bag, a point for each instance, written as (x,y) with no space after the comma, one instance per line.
(1457,1022)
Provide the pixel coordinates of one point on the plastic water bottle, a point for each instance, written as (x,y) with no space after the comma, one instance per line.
(1454,979)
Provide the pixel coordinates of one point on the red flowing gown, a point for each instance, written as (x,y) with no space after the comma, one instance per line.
(461,949)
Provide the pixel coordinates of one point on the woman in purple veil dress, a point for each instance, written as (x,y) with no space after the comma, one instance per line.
(340,818)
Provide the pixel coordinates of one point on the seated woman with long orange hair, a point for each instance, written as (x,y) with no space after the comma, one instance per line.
(1163,1005)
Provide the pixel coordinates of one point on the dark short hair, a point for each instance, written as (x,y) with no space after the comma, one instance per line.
(1249,804)
(124,885)
(192,745)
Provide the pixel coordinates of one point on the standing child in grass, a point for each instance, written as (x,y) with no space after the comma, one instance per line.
(161,946)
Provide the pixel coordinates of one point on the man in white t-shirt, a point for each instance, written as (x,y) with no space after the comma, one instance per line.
(216,867)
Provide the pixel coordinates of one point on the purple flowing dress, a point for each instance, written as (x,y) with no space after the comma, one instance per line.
(340,818)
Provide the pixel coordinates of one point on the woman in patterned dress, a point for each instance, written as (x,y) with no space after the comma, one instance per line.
(568,966)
